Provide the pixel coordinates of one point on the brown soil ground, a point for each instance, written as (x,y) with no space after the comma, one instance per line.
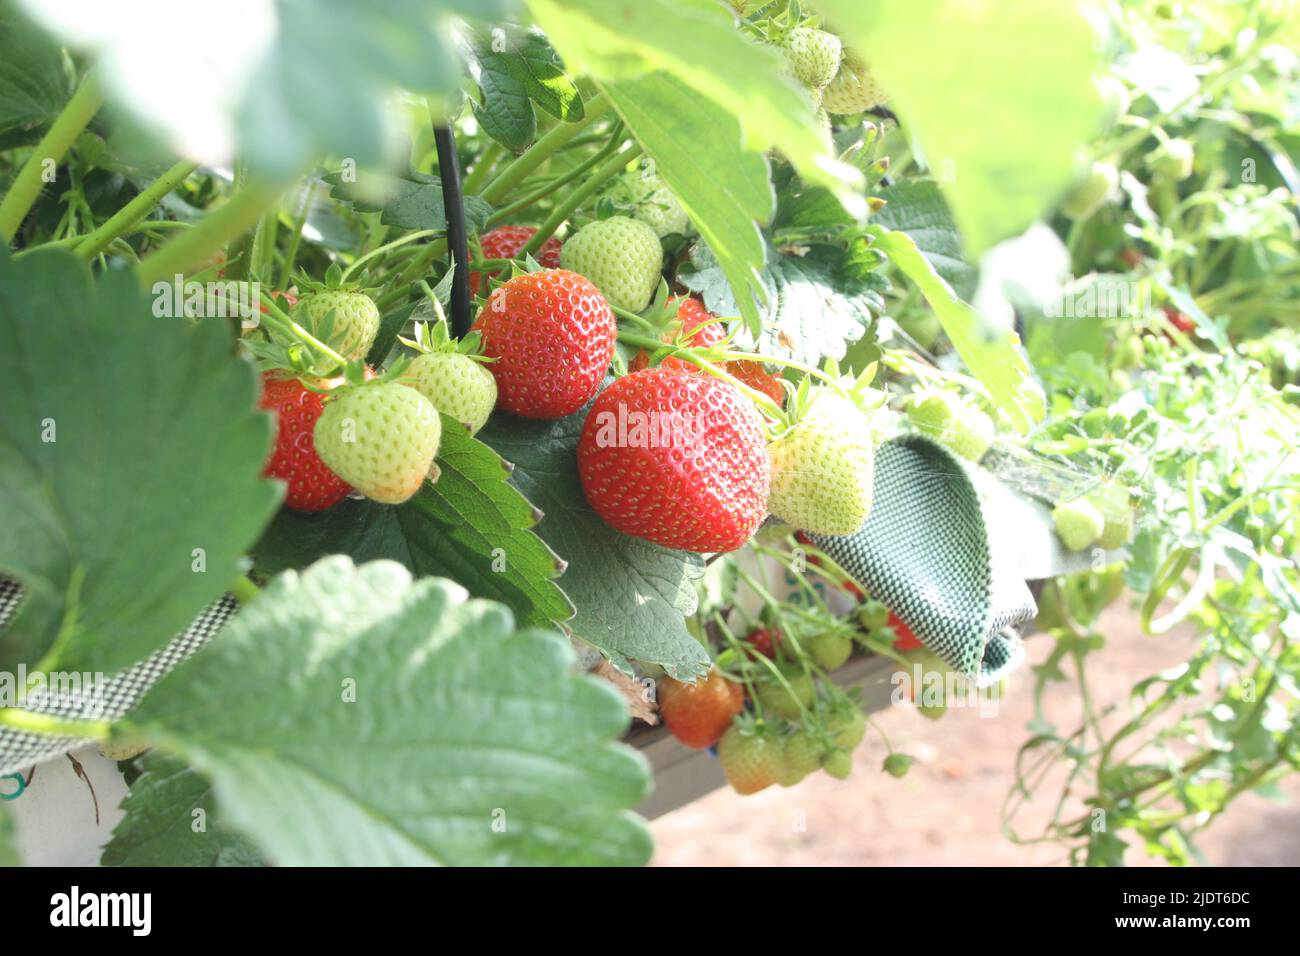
(947,810)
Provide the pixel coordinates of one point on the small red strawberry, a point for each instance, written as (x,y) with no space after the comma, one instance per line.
(698,714)
(764,641)
(752,757)
(1179,320)
(753,375)
(677,459)
(906,640)
(311,486)
(552,335)
(504,242)
(694,326)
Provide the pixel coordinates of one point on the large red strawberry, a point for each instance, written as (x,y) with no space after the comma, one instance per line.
(311,485)
(504,242)
(698,714)
(677,459)
(552,335)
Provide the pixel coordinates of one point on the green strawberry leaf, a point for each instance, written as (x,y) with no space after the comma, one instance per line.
(171,821)
(696,149)
(807,316)
(472,526)
(390,327)
(130,452)
(413,201)
(514,68)
(8,840)
(352,716)
(33,84)
(297,78)
(917,208)
(1002,141)
(632,596)
(993,355)
(696,43)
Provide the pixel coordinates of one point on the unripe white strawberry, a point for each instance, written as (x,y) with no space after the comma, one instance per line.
(813,56)
(823,468)
(380,439)
(456,384)
(943,416)
(853,89)
(1112,502)
(621,256)
(1078,522)
(354,323)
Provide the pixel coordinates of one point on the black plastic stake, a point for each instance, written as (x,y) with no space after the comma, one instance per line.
(453,204)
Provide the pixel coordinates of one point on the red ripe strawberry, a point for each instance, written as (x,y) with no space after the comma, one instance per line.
(552,335)
(504,242)
(906,640)
(1179,320)
(677,459)
(753,375)
(311,485)
(694,325)
(290,300)
(698,714)
(764,641)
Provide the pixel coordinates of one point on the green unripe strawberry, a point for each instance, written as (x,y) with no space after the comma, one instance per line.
(853,89)
(777,701)
(925,679)
(457,386)
(971,434)
(873,615)
(1112,502)
(1114,100)
(848,727)
(944,417)
(1100,183)
(823,468)
(830,650)
(753,759)
(813,56)
(380,439)
(1078,522)
(801,755)
(1172,159)
(621,256)
(348,320)
(897,765)
(839,764)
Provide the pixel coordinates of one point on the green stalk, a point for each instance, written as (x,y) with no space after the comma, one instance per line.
(477,176)
(380,250)
(542,150)
(580,195)
(54,144)
(545,190)
(243,589)
(194,247)
(299,223)
(139,207)
(44,724)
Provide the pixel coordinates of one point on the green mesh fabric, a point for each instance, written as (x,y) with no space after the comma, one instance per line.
(935,556)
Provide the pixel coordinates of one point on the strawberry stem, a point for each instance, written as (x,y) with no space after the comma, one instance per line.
(501,215)
(540,151)
(130,214)
(67,126)
(195,246)
(47,725)
(577,197)
(243,589)
(281,323)
(380,250)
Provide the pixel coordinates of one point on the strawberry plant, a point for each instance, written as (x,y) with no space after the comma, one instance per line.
(536,340)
